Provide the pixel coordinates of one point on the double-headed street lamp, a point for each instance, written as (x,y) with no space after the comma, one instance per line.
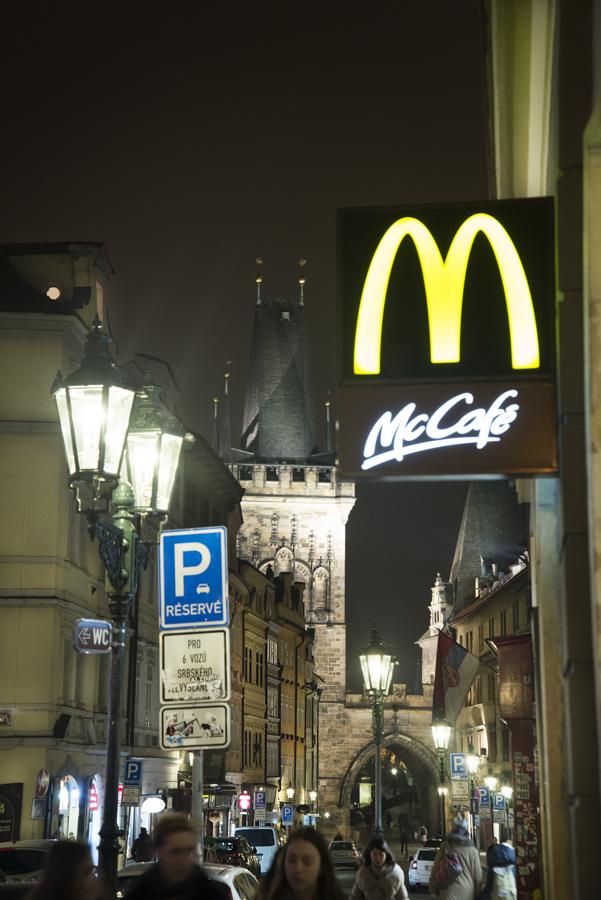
(377,664)
(125,442)
(441,735)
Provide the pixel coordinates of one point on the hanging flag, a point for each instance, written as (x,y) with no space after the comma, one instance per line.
(456,669)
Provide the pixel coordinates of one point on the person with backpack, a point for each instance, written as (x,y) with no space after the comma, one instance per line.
(456,873)
(500,874)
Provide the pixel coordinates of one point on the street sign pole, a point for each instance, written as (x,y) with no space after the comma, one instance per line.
(198,799)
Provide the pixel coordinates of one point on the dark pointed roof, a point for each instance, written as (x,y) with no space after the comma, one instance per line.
(494,529)
(278,420)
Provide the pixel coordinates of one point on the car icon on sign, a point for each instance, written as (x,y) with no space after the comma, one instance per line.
(202,588)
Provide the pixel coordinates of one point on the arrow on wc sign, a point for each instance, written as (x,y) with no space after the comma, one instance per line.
(92,636)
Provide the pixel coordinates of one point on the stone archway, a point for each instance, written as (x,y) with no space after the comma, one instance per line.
(419,758)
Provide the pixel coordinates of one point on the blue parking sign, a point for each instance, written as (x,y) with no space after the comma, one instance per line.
(133,773)
(498,801)
(193,578)
(458,766)
(484,796)
(259,799)
(287,813)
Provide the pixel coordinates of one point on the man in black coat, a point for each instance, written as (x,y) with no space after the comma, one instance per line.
(176,874)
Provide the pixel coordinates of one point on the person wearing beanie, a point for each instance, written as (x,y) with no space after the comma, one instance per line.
(468,882)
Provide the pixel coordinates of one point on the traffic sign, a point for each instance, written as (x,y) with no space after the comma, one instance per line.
(498,801)
(193,578)
(259,800)
(92,636)
(287,814)
(133,772)
(195,727)
(195,665)
(484,796)
(458,766)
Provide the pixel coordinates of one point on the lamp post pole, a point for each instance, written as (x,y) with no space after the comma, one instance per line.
(473,762)
(378,731)
(441,735)
(377,664)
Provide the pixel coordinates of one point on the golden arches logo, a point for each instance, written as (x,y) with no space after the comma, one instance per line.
(444,281)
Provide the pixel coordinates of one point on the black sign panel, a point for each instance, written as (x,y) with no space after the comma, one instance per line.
(92,636)
(446,340)
(11,799)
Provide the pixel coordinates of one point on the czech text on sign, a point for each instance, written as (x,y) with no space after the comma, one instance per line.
(92,636)
(195,665)
(195,727)
(461,314)
(193,578)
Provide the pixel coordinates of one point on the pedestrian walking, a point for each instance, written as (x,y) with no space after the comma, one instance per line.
(458,847)
(302,870)
(380,877)
(500,873)
(143,847)
(69,874)
(176,873)
(422,835)
(404,838)
(388,820)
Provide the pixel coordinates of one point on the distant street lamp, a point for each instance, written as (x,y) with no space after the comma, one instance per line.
(441,735)
(377,664)
(473,763)
(491,782)
(290,792)
(99,413)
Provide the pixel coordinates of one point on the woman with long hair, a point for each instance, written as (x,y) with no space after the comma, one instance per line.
(69,874)
(380,877)
(303,870)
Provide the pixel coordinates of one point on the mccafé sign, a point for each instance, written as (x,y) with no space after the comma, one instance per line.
(447,341)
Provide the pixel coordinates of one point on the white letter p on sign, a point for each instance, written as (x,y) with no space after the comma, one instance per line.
(182,571)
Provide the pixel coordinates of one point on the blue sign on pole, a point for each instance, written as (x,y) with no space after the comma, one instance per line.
(287,813)
(458,766)
(259,799)
(498,801)
(133,773)
(193,578)
(484,796)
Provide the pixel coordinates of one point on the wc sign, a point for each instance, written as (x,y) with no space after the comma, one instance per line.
(193,578)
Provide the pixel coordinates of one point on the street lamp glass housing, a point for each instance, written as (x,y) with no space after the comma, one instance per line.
(442,791)
(312,796)
(473,762)
(441,735)
(377,665)
(94,405)
(154,443)
(491,782)
(290,793)
(507,791)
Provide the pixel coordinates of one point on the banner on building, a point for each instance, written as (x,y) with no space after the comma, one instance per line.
(455,671)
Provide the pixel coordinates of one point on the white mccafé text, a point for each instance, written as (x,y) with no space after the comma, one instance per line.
(392,439)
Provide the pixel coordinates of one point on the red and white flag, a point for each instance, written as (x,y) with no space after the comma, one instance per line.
(455,671)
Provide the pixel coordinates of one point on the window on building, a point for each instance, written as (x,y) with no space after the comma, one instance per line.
(480,638)
(259,668)
(503,622)
(272,651)
(461,639)
(247,747)
(257,749)
(271,473)
(469,641)
(324,476)
(516,616)
(272,702)
(248,664)
(273,761)
(491,627)
(246,473)
(478,690)
(298,474)
(492,686)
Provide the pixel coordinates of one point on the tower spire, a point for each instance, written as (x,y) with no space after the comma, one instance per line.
(259,278)
(301,281)
(329,441)
(226,439)
(215,438)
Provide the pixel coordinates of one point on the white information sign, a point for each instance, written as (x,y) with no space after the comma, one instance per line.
(195,727)
(195,665)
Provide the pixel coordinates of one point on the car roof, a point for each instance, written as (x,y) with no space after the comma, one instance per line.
(41,844)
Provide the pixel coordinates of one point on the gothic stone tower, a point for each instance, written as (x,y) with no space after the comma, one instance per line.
(295,508)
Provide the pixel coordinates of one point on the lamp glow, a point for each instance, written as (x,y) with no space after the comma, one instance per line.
(507,791)
(491,782)
(154,804)
(441,735)
(290,793)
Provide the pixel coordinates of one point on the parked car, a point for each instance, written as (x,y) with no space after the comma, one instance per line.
(265,839)
(241,883)
(234,851)
(24,860)
(344,854)
(420,867)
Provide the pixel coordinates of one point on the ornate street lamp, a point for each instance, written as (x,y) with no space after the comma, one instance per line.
(473,763)
(290,792)
(507,792)
(377,665)
(491,782)
(95,410)
(441,735)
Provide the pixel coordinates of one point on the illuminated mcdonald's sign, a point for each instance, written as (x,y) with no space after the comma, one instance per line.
(444,281)
(446,342)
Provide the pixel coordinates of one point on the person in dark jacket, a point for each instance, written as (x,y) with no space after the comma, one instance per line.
(143,847)
(500,872)
(176,872)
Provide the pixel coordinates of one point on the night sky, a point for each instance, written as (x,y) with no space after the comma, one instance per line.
(193,140)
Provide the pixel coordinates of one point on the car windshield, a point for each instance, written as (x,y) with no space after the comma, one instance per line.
(21,862)
(259,837)
(341,845)
(426,854)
